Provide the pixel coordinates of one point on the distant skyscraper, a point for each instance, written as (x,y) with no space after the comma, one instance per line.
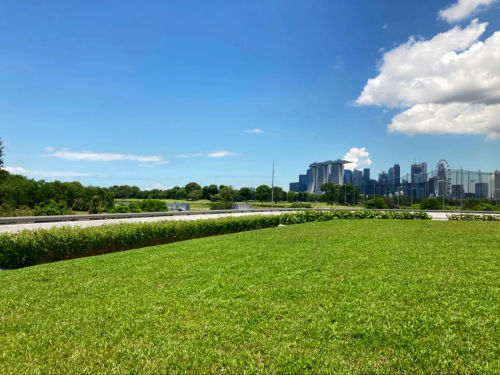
(357,177)
(481,189)
(328,171)
(397,176)
(497,185)
(366,176)
(347,176)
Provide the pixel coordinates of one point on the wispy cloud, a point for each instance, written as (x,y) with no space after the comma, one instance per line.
(385,26)
(254,131)
(32,173)
(67,154)
(212,154)
(463,9)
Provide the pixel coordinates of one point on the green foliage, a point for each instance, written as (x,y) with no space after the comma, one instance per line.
(263,193)
(224,199)
(473,217)
(52,208)
(42,246)
(308,216)
(300,205)
(246,193)
(192,186)
(195,195)
(180,194)
(431,204)
(152,205)
(125,208)
(377,202)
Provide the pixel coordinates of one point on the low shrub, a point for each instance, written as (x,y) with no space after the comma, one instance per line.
(221,205)
(125,208)
(308,216)
(431,204)
(377,202)
(152,205)
(52,208)
(28,248)
(474,217)
(301,205)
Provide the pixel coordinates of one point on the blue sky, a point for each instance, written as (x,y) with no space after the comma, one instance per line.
(161,93)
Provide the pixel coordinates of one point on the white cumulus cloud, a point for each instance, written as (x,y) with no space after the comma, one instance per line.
(359,158)
(453,118)
(254,131)
(453,75)
(67,154)
(463,9)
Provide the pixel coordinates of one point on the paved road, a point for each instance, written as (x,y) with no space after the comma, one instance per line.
(11,228)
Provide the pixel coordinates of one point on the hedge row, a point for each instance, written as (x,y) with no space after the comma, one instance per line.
(29,248)
(308,216)
(474,217)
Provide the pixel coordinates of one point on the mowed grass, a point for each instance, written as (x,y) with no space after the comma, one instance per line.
(361,296)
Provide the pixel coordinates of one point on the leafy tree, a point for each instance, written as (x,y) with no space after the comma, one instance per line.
(180,194)
(224,199)
(330,192)
(95,205)
(377,202)
(195,195)
(431,204)
(208,191)
(192,186)
(263,193)
(279,194)
(291,196)
(52,208)
(152,205)
(246,193)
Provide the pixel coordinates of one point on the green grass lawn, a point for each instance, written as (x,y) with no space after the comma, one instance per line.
(361,296)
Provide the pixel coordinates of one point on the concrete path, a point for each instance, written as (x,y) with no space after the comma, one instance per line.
(11,228)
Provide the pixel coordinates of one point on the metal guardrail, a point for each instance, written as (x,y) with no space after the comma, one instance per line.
(61,218)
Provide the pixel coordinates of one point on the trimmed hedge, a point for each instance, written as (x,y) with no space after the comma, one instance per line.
(308,216)
(474,217)
(29,248)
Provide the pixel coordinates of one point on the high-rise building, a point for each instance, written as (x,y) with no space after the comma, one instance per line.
(328,171)
(457,192)
(397,177)
(383,183)
(481,189)
(366,176)
(497,185)
(357,177)
(347,176)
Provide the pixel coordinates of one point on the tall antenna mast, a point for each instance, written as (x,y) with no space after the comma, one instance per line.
(272,189)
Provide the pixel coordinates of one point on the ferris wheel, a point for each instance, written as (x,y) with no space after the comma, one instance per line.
(443,179)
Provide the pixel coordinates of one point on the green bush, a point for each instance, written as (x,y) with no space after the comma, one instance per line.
(221,205)
(308,216)
(125,208)
(52,208)
(474,217)
(377,202)
(431,204)
(152,205)
(28,248)
(301,205)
